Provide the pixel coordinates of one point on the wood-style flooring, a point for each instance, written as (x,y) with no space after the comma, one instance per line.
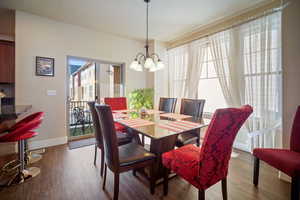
(70,175)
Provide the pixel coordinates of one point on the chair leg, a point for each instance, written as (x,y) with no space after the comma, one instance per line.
(256,171)
(201,194)
(143,140)
(166,180)
(224,189)
(152,179)
(116,186)
(198,142)
(295,188)
(95,155)
(102,161)
(104,179)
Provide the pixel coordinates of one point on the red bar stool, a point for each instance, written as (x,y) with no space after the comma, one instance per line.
(21,133)
(32,156)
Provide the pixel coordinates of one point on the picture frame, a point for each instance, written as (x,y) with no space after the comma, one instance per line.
(44,66)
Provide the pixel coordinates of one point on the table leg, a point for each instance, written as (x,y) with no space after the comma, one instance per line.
(159,147)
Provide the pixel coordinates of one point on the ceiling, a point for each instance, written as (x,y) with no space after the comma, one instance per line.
(168,19)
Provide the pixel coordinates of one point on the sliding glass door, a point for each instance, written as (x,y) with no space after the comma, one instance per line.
(89,80)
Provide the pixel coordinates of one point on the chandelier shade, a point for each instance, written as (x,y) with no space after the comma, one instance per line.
(147,62)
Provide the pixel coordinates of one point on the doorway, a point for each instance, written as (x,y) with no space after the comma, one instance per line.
(89,80)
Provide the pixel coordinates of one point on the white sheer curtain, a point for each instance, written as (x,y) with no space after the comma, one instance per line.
(178,67)
(247,61)
(261,59)
(248,65)
(225,53)
(196,55)
(185,69)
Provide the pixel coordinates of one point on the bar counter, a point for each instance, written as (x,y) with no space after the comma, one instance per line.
(12,112)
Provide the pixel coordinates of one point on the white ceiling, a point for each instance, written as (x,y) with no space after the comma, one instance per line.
(168,18)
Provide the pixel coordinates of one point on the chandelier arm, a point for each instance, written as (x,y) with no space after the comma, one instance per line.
(155,55)
(140,56)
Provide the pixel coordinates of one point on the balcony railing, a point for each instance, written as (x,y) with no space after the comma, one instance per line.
(80,120)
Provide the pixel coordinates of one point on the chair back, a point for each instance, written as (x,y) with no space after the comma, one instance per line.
(217,145)
(116,103)
(193,107)
(167,104)
(295,137)
(96,123)
(109,136)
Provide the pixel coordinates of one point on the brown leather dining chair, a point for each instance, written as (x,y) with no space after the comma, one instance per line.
(122,138)
(123,158)
(167,104)
(193,107)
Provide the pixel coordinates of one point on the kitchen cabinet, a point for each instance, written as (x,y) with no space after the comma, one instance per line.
(7,62)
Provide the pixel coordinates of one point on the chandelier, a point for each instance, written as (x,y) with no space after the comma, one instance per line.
(146,61)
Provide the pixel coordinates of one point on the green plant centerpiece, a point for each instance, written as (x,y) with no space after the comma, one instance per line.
(141,98)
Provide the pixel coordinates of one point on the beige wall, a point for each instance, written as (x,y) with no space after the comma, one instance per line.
(291,66)
(161,77)
(38,36)
(7,24)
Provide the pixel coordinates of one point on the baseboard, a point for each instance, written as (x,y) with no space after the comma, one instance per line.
(38,144)
(8,148)
(242,146)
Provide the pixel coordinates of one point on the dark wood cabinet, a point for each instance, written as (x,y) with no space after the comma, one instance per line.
(7,62)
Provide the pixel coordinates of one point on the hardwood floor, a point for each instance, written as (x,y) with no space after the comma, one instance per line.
(70,175)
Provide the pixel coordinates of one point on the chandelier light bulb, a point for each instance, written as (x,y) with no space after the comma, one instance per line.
(160,65)
(139,67)
(149,63)
(134,65)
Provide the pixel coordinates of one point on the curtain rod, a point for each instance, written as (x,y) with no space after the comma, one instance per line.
(241,22)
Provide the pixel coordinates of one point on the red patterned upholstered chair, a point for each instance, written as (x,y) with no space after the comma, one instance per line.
(117,103)
(285,160)
(205,166)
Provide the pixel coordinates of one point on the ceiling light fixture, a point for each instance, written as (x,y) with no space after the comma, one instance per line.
(146,61)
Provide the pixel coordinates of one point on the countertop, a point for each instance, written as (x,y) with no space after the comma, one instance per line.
(11,112)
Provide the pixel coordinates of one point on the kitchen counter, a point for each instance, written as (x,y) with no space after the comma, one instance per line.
(12,112)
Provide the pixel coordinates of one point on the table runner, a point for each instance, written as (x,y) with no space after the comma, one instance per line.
(150,112)
(119,115)
(135,123)
(175,116)
(179,126)
(123,111)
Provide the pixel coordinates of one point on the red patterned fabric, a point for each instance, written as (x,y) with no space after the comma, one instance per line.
(119,127)
(116,103)
(205,166)
(284,160)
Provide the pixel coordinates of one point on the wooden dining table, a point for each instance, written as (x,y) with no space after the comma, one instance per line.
(162,129)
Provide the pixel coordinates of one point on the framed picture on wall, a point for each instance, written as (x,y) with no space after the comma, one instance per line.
(44,66)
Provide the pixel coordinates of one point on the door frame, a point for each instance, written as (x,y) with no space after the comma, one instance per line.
(97,62)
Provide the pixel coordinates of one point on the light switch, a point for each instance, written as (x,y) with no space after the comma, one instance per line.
(51,92)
